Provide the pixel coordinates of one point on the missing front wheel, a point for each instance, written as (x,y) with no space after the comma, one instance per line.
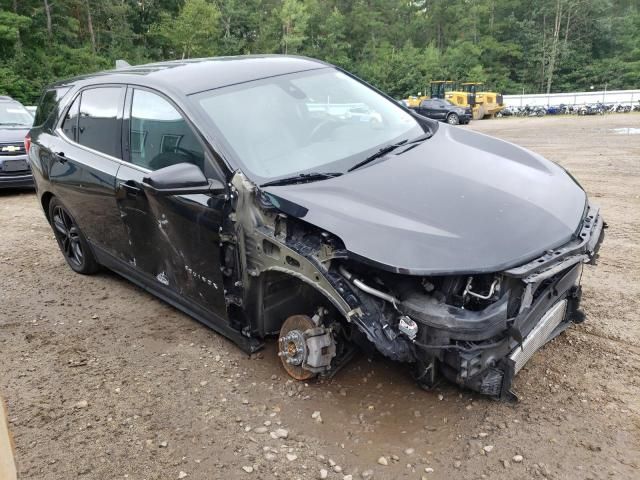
(306,347)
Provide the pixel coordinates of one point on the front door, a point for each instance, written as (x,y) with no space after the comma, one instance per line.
(441,108)
(174,240)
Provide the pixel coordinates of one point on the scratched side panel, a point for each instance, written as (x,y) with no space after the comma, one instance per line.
(189,239)
(174,240)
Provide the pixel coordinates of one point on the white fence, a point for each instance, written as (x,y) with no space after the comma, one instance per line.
(625,97)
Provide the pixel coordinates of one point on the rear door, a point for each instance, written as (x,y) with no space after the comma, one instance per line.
(85,157)
(426,108)
(175,240)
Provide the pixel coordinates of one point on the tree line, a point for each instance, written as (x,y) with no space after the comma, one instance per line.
(397,45)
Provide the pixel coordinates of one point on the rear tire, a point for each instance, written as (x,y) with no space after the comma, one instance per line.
(453,119)
(72,242)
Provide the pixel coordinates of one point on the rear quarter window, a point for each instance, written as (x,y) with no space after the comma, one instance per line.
(48,104)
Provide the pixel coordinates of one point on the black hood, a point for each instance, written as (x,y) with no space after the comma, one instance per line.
(13,134)
(461,202)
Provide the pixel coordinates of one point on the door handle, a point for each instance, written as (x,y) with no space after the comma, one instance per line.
(130,188)
(61,158)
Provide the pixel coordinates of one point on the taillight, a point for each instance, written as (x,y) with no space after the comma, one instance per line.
(27,143)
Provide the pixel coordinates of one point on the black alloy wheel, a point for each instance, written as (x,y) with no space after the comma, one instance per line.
(74,247)
(67,235)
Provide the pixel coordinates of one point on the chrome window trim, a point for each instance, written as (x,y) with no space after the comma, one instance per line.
(58,130)
(207,148)
(96,152)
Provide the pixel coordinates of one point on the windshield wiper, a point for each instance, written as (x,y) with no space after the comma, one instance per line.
(380,153)
(384,150)
(421,138)
(13,124)
(413,143)
(302,178)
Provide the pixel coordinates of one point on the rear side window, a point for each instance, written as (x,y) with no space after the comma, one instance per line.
(48,104)
(100,122)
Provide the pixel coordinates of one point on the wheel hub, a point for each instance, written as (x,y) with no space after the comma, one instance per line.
(305,348)
(293,347)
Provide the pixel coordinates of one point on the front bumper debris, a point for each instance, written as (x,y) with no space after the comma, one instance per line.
(484,350)
(540,334)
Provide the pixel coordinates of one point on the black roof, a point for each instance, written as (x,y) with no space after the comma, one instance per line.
(198,75)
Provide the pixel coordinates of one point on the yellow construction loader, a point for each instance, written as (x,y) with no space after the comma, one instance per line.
(414,101)
(438,89)
(484,104)
(488,103)
(452,91)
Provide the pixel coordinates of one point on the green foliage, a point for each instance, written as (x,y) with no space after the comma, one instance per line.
(10,26)
(295,18)
(398,46)
(193,33)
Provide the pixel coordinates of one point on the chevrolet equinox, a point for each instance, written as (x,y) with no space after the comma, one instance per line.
(282,196)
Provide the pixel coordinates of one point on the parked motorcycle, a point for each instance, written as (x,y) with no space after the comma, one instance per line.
(555,110)
(535,111)
(593,109)
(507,112)
(597,108)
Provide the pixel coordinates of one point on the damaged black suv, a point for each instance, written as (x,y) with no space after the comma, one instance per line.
(281,196)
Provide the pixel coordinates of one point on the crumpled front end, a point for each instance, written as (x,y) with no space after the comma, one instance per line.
(475,327)
(476,330)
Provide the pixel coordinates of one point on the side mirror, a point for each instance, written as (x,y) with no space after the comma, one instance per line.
(180,179)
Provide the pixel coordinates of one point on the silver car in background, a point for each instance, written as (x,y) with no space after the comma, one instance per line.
(15,122)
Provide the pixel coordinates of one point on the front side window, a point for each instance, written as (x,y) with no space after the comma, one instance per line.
(159,135)
(100,125)
(322,120)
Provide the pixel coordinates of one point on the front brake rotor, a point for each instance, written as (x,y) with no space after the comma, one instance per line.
(292,346)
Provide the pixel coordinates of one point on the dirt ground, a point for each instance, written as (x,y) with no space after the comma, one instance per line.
(103,381)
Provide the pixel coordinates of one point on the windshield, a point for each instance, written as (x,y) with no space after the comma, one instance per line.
(14,114)
(317,121)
